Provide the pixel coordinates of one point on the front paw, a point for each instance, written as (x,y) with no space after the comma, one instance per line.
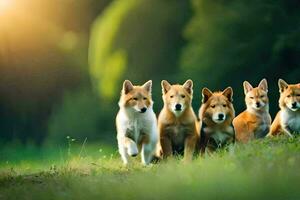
(132,150)
(159,153)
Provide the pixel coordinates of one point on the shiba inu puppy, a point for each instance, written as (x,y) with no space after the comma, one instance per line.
(287,120)
(136,122)
(177,121)
(255,121)
(216,114)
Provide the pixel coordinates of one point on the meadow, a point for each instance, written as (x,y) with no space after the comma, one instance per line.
(262,169)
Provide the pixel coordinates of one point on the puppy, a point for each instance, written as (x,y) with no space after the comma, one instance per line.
(177,121)
(287,120)
(136,122)
(216,114)
(255,121)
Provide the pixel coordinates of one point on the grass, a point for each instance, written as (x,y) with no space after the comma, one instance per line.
(263,169)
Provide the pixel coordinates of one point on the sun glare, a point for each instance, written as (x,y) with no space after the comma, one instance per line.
(5,5)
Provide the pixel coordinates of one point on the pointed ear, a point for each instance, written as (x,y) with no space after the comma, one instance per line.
(148,86)
(206,94)
(282,85)
(188,86)
(247,87)
(228,92)
(263,85)
(127,86)
(166,86)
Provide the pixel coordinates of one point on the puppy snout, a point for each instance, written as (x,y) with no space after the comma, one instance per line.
(178,107)
(144,109)
(257,104)
(294,105)
(221,116)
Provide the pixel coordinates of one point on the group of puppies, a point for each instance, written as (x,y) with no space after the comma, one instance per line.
(178,130)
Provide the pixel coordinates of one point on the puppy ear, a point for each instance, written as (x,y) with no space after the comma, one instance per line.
(247,87)
(188,86)
(206,94)
(228,92)
(166,86)
(263,85)
(148,86)
(127,86)
(282,85)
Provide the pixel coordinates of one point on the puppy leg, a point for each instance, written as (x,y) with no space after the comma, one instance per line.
(147,152)
(287,130)
(189,147)
(131,147)
(123,152)
(166,146)
(158,151)
(275,128)
(149,146)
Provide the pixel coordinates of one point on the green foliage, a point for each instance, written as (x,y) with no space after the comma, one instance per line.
(79,116)
(137,40)
(262,169)
(230,42)
(106,63)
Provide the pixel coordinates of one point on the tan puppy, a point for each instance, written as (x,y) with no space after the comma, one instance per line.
(216,114)
(287,120)
(177,120)
(255,121)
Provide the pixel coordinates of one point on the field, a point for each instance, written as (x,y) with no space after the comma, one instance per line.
(264,169)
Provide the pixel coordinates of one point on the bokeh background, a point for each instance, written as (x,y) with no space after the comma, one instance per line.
(62,62)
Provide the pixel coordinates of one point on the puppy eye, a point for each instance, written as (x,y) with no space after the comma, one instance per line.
(213,106)
(135,98)
(298,95)
(262,96)
(145,98)
(171,96)
(289,96)
(224,105)
(251,97)
(183,96)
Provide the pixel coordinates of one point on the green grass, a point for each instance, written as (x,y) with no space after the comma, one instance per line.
(264,169)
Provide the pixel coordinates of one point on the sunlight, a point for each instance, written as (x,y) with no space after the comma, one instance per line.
(5,5)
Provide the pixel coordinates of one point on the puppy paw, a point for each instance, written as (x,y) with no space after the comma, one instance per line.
(132,150)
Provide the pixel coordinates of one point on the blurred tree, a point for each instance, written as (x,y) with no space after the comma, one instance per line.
(137,40)
(233,41)
(43,53)
(79,116)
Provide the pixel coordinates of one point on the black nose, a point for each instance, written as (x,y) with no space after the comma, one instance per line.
(257,104)
(178,107)
(221,116)
(294,105)
(143,110)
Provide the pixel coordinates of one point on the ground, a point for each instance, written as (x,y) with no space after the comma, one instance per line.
(263,169)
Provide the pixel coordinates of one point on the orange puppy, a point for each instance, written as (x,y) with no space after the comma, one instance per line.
(255,121)
(216,114)
(177,121)
(287,120)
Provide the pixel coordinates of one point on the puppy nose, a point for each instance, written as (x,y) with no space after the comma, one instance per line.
(294,105)
(257,104)
(178,107)
(143,110)
(221,116)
